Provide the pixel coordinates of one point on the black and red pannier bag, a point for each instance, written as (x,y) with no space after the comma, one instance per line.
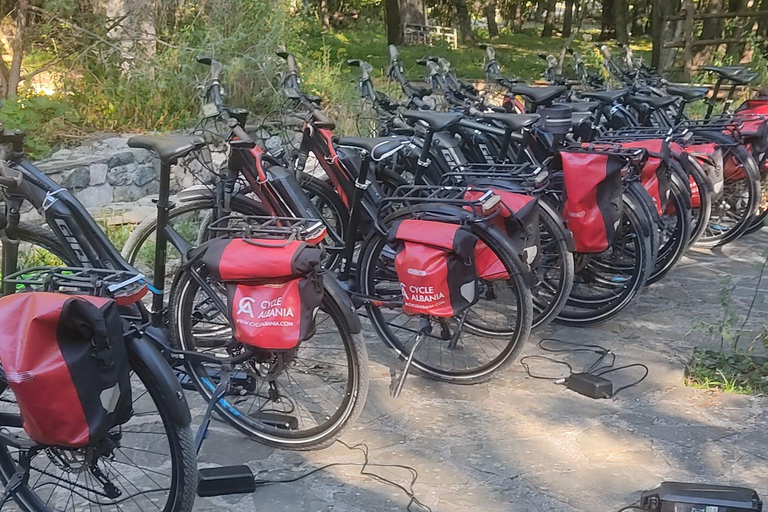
(593,203)
(435,265)
(654,173)
(274,288)
(64,357)
(519,218)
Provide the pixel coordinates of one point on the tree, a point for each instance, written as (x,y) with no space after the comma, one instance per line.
(465,22)
(568,18)
(394,26)
(607,25)
(549,20)
(490,16)
(620,11)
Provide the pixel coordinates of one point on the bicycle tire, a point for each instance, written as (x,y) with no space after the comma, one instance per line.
(503,249)
(183,454)
(356,393)
(675,243)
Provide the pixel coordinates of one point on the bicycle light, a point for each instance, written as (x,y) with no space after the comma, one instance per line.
(689,497)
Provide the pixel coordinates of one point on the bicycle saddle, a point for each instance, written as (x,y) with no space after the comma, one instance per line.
(514,121)
(605,97)
(540,95)
(655,102)
(437,121)
(168,147)
(727,72)
(688,93)
(583,106)
(379,147)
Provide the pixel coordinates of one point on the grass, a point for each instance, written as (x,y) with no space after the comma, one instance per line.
(731,372)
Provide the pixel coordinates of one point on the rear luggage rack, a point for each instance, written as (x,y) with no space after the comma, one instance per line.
(418,199)
(87,281)
(277,228)
(527,177)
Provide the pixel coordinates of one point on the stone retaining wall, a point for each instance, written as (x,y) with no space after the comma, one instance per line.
(107,171)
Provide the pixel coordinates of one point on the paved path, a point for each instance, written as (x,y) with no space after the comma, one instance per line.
(517,444)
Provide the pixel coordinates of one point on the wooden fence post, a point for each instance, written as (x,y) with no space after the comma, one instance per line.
(688,27)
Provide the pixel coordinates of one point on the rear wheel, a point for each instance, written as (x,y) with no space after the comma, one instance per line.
(555,271)
(464,349)
(674,229)
(299,399)
(606,283)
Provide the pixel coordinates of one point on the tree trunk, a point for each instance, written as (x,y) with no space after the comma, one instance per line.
(713,27)
(465,22)
(620,17)
(541,7)
(517,16)
(135,33)
(739,27)
(490,16)
(607,25)
(549,20)
(394,27)
(17,45)
(325,17)
(568,18)
(762,22)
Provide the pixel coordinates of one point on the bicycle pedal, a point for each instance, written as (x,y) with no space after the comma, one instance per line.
(225,480)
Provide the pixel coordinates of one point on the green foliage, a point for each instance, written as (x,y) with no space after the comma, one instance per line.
(47,120)
(728,371)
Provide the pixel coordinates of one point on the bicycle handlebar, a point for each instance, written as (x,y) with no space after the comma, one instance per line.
(290,59)
(394,55)
(216,66)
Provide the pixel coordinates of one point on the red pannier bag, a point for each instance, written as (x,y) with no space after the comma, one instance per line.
(519,219)
(435,265)
(593,203)
(710,157)
(654,173)
(64,357)
(274,288)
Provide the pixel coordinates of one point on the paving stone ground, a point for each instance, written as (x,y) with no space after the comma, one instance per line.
(518,444)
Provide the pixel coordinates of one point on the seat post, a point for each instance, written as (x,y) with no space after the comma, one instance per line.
(713,99)
(161,243)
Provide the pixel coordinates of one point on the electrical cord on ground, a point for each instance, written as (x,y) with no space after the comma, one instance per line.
(634,506)
(363,448)
(588,381)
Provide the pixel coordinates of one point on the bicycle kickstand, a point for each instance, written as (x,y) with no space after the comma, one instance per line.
(218,394)
(426,328)
(16,480)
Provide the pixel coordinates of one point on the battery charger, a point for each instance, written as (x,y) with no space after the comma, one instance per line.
(690,497)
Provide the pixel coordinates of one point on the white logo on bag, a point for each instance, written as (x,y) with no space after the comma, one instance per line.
(245,306)
(416,272)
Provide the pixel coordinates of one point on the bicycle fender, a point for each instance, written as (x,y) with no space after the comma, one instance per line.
(650,214)
(173,396)
(333,289)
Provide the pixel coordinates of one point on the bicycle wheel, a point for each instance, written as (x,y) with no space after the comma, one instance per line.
(555,271)
(491,332)
(674,229)
(299,399)
(734,210)
(701,207)
(38,246)
(606,283)
(148,463)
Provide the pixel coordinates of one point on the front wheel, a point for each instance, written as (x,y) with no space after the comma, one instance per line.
(149,462)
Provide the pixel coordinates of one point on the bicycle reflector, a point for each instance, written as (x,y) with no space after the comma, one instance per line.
(685,497)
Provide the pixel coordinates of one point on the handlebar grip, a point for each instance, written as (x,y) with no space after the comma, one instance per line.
(490,52)
(355,63)
(241,134)
(393,53)
(216,66)
(422,62)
